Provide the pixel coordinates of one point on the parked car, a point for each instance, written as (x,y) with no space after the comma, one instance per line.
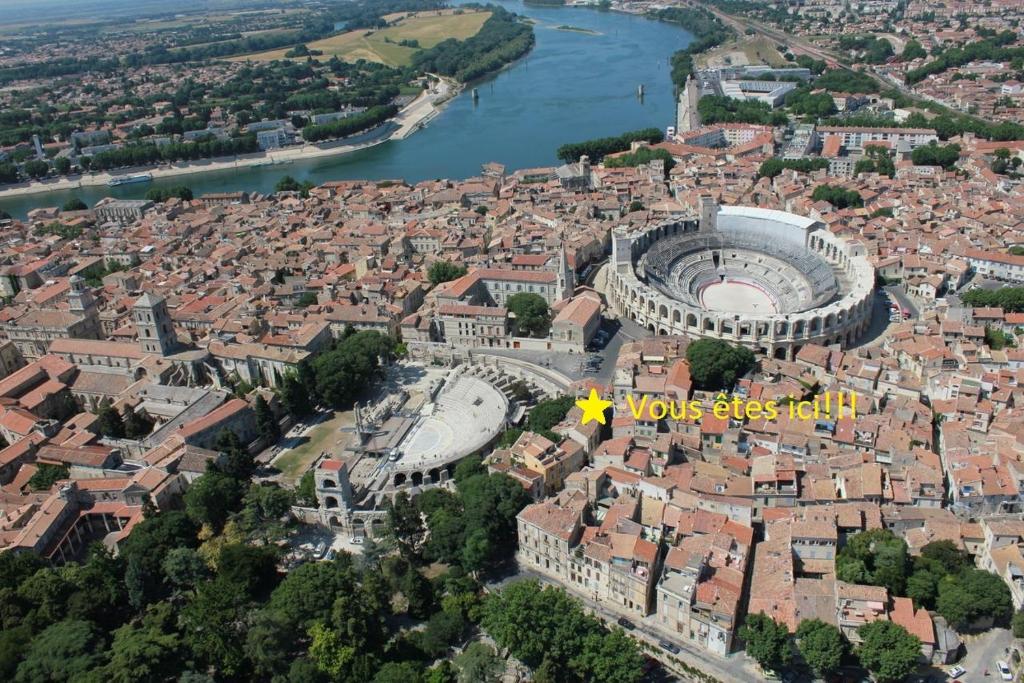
(1004,671)
(356,540)
(957,671)
(668,647)
(626,623)
(320,549)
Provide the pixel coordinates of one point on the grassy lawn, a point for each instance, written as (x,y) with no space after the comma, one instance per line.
(324,437)
(428,28)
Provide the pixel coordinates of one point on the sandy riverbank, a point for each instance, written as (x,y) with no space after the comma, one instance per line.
(411,118)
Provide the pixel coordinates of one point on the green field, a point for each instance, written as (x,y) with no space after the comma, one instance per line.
(326,436)
(427,28)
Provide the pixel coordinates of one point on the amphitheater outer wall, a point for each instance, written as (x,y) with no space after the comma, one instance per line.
(778,335)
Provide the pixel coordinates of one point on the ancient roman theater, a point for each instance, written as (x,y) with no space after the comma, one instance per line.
(770,280)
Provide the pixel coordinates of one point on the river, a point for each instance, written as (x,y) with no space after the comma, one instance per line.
(572,86)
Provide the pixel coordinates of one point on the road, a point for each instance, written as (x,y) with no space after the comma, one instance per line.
(737,667)
(983,652)
(905,301)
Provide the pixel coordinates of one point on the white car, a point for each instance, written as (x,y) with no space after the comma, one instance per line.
(1004,671)
(356,540)
(957,672)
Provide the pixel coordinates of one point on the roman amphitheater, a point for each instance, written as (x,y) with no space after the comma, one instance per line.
(769,280)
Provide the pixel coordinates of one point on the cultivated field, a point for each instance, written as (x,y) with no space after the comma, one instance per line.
(427,28)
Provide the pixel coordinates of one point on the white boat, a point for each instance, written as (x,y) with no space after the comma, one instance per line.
(129,179)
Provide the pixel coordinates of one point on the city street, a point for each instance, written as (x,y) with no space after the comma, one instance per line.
(901,297)
(983,651)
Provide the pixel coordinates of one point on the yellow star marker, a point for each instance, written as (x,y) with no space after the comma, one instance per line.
(593,407)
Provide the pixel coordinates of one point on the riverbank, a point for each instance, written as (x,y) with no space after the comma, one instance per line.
(411,118)
(567,88)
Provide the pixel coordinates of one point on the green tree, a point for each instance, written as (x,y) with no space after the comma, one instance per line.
(548,413)
(821,645)
(145,550)
(162,194)
(306,300)
(610,658)
(443,630)
(838,197)
(294,396)
(1018,624)
(247,570)
(36,169)
(399,672)
(270,643)
(214,625)
(767,641)
(444,271)
(913,50)
(266,423)
(405,525)
(888,651)
(717,365)
(933,154)
(149,650)
(109,421)
(74,204)
(948,555)
(479,663)
(184,568)
(14,642)
(136,425)
(212,498)
(338,658)
(62,165)
(265,506)
(876,557)
(549,631)
(238,462)
(47,475)
(290,184)
(923,583)
(62,652)
(305,493)
(342,373)
(531,313)
(971,595)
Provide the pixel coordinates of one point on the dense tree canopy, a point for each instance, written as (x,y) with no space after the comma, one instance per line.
(821,645)
(716,364)
(972,595)
(774,166)
(532,315)
(545,628)
(932,154)
(767,641)
(876,557)
(444,271)
(597,148)
(341,373)
(838,197)
(503,38)
(888,651)
(722,109)
(1010,299)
